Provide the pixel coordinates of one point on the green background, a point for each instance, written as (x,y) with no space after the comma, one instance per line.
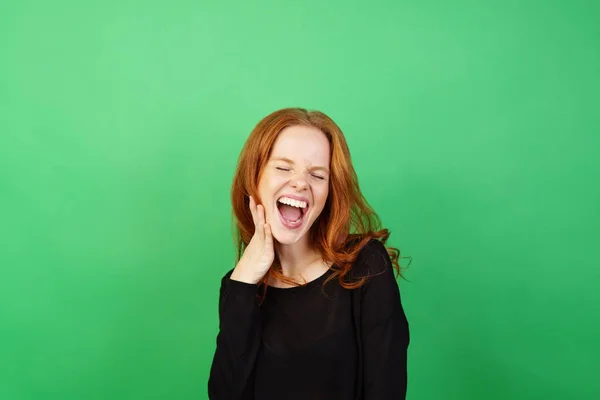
(474,128)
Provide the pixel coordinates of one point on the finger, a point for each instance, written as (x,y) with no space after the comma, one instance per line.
(253,210)
(262,217)
(268,236)
(259,220)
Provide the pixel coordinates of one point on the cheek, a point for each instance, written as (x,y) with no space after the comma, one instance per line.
(266,187)
(321,196)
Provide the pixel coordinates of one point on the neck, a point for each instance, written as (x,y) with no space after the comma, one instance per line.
(299,260)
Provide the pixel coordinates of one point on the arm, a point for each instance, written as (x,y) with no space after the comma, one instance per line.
(237,342)
(385,333)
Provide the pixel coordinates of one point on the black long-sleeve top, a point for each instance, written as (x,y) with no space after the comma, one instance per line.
(313,342)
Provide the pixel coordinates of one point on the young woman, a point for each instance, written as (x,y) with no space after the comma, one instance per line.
(312,309)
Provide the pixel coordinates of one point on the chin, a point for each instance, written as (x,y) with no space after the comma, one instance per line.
(283,237)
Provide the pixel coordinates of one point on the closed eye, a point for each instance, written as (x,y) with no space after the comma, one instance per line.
(319,177)
(282,169)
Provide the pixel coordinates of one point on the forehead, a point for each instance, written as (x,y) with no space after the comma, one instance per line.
(302,144)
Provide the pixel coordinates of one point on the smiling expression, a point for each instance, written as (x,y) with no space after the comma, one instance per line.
(297,175)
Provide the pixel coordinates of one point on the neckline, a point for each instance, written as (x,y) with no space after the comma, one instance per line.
(307,285)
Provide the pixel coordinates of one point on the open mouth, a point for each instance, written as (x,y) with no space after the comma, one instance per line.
(291,211)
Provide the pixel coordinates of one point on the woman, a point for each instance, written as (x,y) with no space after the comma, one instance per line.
(312,309)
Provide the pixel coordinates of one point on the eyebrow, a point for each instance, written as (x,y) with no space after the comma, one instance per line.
(289,161)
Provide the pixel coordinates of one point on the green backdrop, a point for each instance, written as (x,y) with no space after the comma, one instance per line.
(474,128)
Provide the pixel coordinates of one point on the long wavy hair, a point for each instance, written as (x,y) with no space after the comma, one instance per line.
(347,222)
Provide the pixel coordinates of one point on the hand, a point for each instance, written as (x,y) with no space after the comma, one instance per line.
(259,254)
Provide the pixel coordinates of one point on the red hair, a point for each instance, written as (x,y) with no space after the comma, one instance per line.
(347,222)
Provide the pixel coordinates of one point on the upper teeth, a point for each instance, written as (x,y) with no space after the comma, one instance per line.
(292,202)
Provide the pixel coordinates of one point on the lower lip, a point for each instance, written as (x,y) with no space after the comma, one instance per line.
(291,225)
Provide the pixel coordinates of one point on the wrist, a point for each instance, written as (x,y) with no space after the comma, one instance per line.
(240,275)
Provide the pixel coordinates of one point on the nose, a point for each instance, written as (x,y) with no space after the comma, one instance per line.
(299,181)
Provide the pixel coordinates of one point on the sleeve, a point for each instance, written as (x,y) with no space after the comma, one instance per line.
(385,332)
(238,341)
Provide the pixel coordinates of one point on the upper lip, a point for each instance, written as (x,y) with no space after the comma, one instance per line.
(299,198)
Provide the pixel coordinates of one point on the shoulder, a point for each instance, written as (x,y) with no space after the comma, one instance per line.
(372,260)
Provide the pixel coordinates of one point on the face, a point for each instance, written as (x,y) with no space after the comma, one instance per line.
(294,184)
